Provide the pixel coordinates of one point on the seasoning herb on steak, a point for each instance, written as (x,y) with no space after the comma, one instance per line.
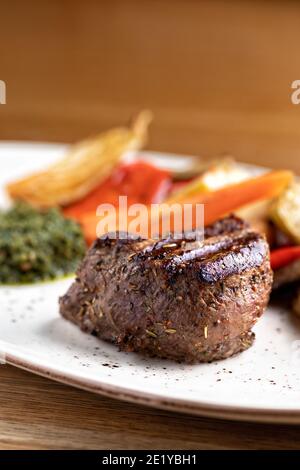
(182,299)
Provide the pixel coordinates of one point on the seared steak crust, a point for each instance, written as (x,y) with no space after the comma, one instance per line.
(179,299)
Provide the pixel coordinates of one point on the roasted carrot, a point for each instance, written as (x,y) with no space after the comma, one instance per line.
(89,223)
(216,203)
(228,199)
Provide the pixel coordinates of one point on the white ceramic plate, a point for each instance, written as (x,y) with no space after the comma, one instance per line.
(261,384)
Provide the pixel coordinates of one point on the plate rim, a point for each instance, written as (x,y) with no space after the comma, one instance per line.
(190,407)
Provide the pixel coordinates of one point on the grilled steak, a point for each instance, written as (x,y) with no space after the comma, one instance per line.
(179,299)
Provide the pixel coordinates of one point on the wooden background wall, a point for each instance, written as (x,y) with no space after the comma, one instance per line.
(216,74)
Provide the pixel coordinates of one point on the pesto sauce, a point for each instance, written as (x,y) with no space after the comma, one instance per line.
(38,245)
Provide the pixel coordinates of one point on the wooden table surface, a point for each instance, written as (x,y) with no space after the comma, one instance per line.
(37,413)
(218,76)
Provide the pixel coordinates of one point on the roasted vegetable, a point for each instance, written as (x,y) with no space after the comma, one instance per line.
(286,212)
(234,197)
(257,215)
(216,203)
(85,166)
(284,256)
(139,181)
(218,175)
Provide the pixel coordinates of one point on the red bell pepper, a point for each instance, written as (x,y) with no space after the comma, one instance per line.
(141,182)
(284,256)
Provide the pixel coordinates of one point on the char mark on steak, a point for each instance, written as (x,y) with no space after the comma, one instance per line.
(184,299)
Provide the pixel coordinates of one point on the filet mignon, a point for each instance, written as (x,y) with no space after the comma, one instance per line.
(178,299)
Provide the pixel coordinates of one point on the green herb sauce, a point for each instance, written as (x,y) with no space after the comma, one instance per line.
(38,245)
